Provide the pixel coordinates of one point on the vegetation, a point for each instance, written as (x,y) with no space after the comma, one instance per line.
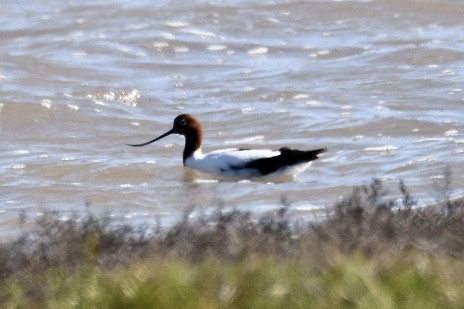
(370,252)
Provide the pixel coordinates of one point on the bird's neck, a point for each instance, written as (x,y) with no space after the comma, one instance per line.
(192,143)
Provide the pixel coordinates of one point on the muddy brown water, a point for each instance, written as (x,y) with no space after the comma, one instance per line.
(378,83)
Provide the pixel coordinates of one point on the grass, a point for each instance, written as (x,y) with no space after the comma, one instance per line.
(413,281)
(370,252)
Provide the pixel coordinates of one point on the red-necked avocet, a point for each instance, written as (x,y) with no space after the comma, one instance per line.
(242,163)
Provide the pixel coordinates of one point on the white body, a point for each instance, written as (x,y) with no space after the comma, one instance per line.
(226,162)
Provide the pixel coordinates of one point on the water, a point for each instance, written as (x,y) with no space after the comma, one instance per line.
(378,83)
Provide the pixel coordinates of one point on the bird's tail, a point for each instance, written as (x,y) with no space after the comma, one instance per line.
(301,155)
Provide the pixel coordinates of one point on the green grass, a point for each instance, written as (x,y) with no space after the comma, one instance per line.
(412,281)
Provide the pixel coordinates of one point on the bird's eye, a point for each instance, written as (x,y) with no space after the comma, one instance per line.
(182,122)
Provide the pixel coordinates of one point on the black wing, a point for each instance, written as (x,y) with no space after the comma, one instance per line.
(287,157)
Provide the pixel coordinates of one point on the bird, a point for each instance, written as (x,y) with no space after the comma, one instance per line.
(235,162)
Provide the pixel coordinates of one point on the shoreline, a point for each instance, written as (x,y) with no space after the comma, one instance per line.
(366,237)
